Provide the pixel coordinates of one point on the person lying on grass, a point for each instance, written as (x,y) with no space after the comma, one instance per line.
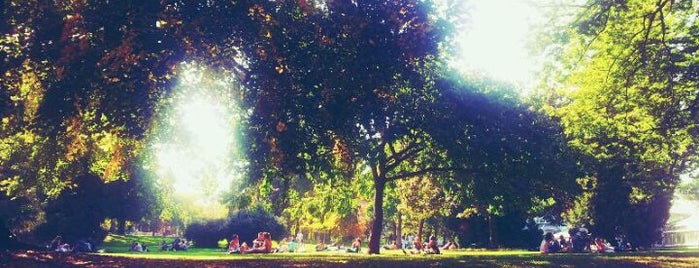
(392,246)
(451,245)
(263,245)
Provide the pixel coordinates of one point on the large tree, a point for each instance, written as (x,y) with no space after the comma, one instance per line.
(507,161)
(338,78)
(624,79)
(78,91)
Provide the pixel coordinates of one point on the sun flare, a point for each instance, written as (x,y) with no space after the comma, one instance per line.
(196,148)
(494,40)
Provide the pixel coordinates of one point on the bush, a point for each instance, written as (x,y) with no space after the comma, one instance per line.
(207,233)
(508,231)
(223,244)
(245,223)
(76,214)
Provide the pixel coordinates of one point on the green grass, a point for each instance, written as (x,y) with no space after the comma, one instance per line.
(117,248)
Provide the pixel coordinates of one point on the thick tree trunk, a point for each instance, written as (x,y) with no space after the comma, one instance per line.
(377,226)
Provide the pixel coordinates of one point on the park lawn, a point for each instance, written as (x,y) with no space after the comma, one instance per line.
(118,256)
(117,246)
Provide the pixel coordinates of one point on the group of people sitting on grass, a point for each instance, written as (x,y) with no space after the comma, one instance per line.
(429,247)
(179,244)
(138,247)
(417,246)
(580,242)
(262,244)
(58,245)
(82,245)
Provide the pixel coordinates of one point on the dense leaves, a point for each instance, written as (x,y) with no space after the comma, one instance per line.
(341,99)
(625,84)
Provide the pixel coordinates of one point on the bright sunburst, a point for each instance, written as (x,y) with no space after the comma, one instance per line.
(494,41)
(196,147)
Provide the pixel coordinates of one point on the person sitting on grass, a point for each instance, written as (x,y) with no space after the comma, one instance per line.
(321,246)
(175,244)
(65,247)
(417,246)
(547,246)
(259,241)
(136,247)
(283,246)
(356,246)
(293,245)
(234,245)
(164,246)
(55,243)
(603,246)
(564,245)
(264,244)
(432,247)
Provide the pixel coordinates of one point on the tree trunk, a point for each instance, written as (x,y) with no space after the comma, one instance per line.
(419,230)
(491,243)
(399,229)
(298,227)
(122,226)
(377,226)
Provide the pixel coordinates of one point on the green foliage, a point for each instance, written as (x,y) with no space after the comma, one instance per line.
(506,158)
(77,83)
(622,81)
(222,244)
(421,198)
(689,188)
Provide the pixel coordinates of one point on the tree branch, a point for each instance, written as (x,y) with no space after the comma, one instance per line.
(420,172)
(398,158)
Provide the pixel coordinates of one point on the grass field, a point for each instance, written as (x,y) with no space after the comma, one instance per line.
(117,255)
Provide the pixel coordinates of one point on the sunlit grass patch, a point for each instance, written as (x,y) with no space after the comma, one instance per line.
(118,249)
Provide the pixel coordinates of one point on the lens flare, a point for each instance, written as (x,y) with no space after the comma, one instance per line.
(196,152)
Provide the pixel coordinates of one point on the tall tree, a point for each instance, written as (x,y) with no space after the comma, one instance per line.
(339,74)
(506,159)
(81,80)
(421,198)
(623,80)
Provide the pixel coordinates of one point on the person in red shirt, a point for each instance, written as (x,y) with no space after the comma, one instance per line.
(432,247)
(417,246)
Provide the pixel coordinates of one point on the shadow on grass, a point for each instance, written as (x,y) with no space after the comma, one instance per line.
(389,259)
(118,256)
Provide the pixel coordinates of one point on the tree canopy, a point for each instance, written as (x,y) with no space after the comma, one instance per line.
(339,102)
(624,77)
